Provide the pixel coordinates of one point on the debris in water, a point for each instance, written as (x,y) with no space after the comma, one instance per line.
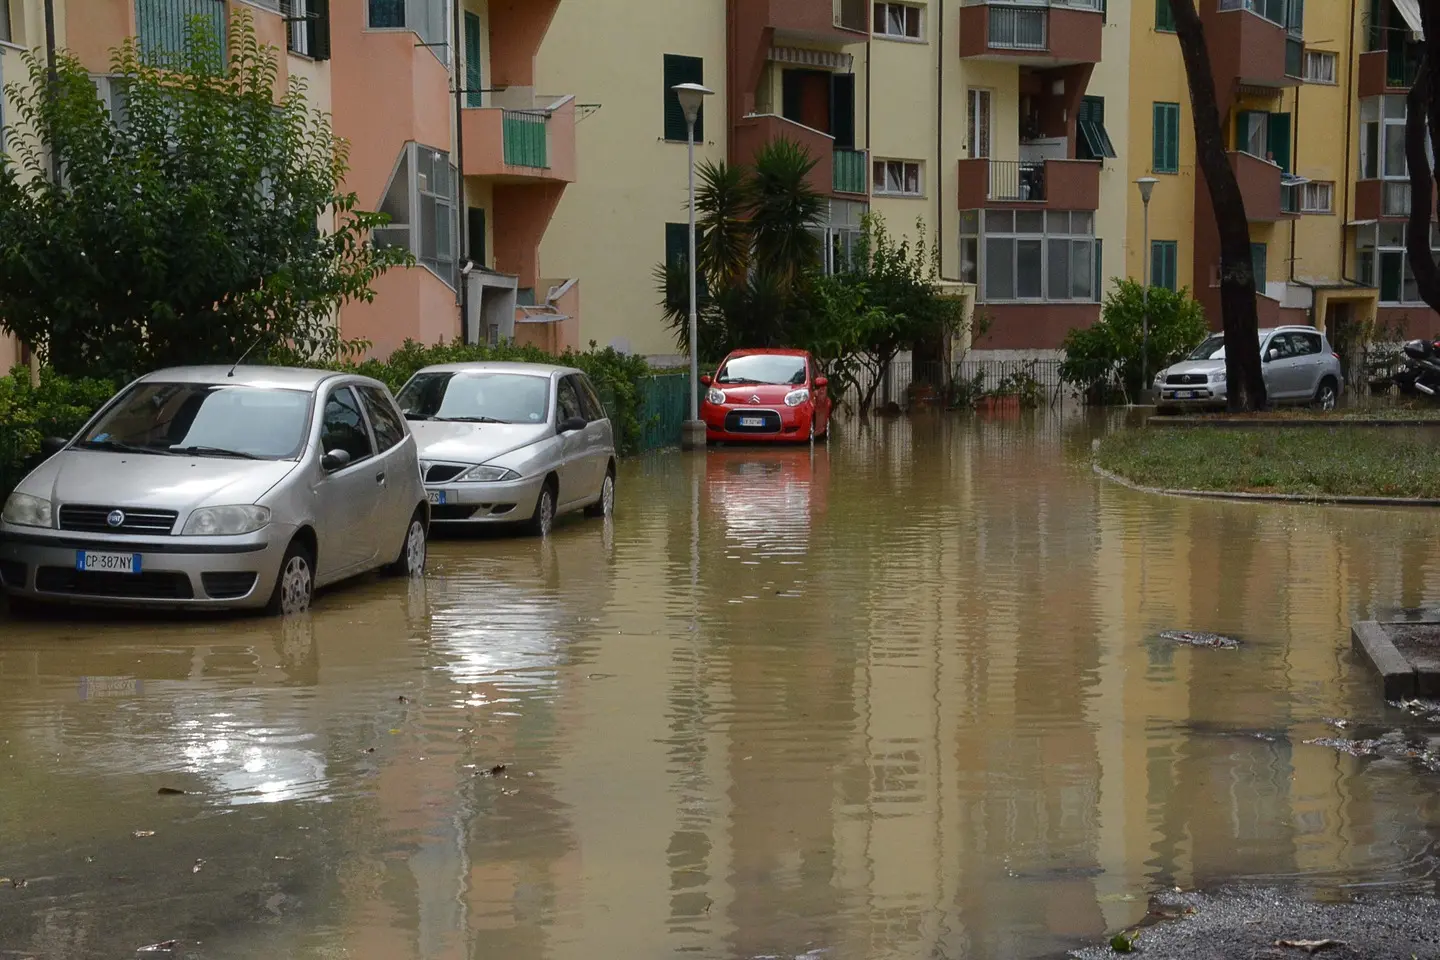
(164,946)
(198,864)
(1309,946)
(17,883)
(369,749)
(142,834)
(1199,638)
(1124,942)
(1337,723)
(403,699)
(496,770)
(170,792)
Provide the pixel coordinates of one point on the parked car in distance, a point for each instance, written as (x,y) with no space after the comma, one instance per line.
(766,395)
(511,442)
(220,487)
(1297,361)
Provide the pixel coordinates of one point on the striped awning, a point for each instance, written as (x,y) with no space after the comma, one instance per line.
(822,59)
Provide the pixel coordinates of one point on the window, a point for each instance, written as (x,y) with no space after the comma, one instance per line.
(1380,248)
(1163,264)
(589,399)
(473,79)
(897,178)
(567,401)
(1382,138)
(680,69)
(1319,66)
(897,20)
(1264,135)
(389,428)
(307,28)
(5,33)
(1317,196)
(1165,155)
(978,122)
(343,427)
(1258,253)
(1031,254)
(1094,141)
(426,18)
(1164,16)
(677,243)
(420,202)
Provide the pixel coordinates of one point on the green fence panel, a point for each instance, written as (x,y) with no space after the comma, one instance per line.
(850,171)
(162,26)
(664,406)
(524,134)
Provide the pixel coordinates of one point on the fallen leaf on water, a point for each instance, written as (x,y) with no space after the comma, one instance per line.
(170,792)
(1309,946)
(498,769)
(164,946)
(142,834)
(198,865)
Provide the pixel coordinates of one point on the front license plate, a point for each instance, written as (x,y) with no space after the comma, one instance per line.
(1184,394)
(107,562)
(436,497)
(752,421)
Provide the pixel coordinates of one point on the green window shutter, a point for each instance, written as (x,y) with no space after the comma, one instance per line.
(679,69)
(842,110)
(1163,262)
(1164,16)
(677,243)
(473,79)
(1099,269)
(1392,267)
(1166,157)
(1157,138)
(319,28)
(1278,139)
(1258,254)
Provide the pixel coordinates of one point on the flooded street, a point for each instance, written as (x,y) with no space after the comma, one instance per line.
(901,697)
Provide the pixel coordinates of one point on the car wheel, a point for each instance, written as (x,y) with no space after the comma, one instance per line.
(295,584)
(604,505)
(542,521)
(1326,395)
(411,562)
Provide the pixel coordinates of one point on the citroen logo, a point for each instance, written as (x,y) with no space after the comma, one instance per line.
(755,398)
(116,518)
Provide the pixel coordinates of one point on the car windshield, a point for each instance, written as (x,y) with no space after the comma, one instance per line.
(204,419)
(1213,348)
(479,397)
(763,368)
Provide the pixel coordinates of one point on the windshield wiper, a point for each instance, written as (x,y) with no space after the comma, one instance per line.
(411,415)
(204,451)
(118,447)
(469,420)
(737,380)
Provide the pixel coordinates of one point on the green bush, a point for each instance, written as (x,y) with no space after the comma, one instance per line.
(1104,361)
(58,407)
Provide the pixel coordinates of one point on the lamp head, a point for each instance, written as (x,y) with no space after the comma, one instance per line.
(691,95)
(1146,185)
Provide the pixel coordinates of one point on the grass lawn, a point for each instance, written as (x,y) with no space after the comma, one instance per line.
(1362,413)
(1344,461)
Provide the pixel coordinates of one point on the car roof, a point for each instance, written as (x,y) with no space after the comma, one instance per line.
(1264,332)
(501,366)
(769,352)
(292,378)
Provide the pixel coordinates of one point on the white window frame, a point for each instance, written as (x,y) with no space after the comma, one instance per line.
(1376,108)
(973,233)
(414,230)
(881,26)
(878,185)
(1311,193)
(1326,75)
(416,12)
(1392,245)
(298,38)
(979,122)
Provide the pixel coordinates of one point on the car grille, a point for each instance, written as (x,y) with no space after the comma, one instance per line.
(442,472)
(152,585)
(1187,379)
(12,573)
(453,511)
(227,585)
(92,519)
(770,421)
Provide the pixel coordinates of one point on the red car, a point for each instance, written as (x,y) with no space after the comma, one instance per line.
(765,395)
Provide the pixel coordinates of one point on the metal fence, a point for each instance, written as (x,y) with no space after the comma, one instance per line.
(524,134)
(1017,28)
(163,26)
(1017,180)
(973,378)
(664,406)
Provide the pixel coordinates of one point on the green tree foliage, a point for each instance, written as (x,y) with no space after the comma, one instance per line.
(185,228)
(1104,360)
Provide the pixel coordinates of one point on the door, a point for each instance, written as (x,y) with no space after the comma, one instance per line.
(398,462)
(978,123)
(842,110)
(347,500)
(599,435)
(1281,366)
(574,468)
(1309,363)
(475,234)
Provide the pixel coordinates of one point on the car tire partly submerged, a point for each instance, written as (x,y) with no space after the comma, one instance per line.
(604,505)
(295,583)
(413,549)
(542,521)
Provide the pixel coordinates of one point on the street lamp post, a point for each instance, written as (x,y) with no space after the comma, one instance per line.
(1146,185)
(692,433)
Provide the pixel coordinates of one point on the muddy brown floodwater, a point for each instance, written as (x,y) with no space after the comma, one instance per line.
(901,697)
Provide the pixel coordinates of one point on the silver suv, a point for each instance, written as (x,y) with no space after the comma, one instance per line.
(1298,364)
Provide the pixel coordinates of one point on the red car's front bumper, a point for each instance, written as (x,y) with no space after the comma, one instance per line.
(744,423)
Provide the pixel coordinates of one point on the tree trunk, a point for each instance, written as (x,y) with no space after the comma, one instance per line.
(1422,118)
(1246,381)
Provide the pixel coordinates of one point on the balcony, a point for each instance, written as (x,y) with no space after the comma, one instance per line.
(161,26)
(524,144)
(1388,71)
(1248,47)
(1261,188)
(1056,33)
(826,22)
(1382,199)
(753,132)
(851,172)
(1043,184)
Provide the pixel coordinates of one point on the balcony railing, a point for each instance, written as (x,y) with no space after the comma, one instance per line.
(1017,28)
(1395,198)
(525,140)
(163,27)
(1402,64)
(850,171)
(1017,180)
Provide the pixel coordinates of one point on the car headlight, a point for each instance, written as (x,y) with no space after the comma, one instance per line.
(796,397)
(24,510)
(488,474)
(225,521)
(1160,378)
(714,396)
(1218,376)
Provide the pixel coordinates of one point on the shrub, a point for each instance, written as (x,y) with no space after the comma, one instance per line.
(59,406)
(1104,361)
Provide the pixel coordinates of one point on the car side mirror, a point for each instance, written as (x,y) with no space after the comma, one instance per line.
(1272,355)
(52,445)
(335,460)
(572,424)
(821,383)
(706,379)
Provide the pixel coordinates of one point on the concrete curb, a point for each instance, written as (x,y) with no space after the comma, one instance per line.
(1286,423)
(1318,498)
(1397,675)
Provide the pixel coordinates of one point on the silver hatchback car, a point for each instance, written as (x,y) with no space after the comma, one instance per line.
(1298,364)
(241,487)
(510,442)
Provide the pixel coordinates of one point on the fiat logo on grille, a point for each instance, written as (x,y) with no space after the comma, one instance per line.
(116,518)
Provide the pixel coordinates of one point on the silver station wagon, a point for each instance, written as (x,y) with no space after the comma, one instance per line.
(510,443)
(245,487)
